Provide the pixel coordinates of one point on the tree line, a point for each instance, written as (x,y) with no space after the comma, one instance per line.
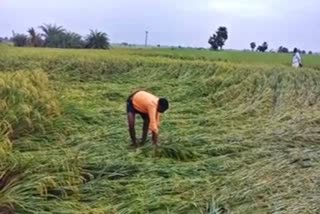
(54,36)
(58,37)
(219,38)
(281,49)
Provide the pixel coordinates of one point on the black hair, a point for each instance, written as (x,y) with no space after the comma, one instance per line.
(295,50)
(163,105)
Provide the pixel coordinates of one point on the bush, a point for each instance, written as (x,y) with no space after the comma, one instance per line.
(20,40)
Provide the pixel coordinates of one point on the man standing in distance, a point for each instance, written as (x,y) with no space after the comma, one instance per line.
(149,107)
(296,59)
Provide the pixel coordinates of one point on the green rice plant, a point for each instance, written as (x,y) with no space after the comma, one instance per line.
(169,151)
(27,104)
(242,127)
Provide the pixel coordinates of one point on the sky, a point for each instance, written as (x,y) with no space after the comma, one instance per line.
(289,23)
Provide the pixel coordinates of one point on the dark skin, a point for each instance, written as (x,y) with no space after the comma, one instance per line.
(146,121)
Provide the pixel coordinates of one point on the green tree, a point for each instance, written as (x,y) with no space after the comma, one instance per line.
(263,47)
(73,40)
(54,35)
(213,41)
(222,35)
(19,40)
(97,40)
(253,45)
(34,38)
(219,38)
(282,49)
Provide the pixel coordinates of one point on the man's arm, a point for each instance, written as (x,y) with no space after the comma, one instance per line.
(152,113)
(158,119)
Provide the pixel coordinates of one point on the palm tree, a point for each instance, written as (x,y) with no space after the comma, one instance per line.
(33,35)
(73,40)
(35,39)
(265,46)
(253,45)
(97,40)
(53,35)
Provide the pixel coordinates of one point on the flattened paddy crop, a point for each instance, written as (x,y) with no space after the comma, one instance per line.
(238,137)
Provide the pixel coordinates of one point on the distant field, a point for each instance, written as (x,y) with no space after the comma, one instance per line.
(231,56)
(203,55)
(241,135)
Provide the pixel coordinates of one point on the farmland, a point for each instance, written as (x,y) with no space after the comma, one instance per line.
(241,135)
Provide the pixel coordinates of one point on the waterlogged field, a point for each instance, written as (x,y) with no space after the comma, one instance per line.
(239,137)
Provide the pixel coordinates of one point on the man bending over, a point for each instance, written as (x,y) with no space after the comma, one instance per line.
(149,107)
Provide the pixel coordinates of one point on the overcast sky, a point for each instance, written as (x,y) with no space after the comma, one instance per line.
(291,23)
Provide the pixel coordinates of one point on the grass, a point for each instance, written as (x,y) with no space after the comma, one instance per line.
(229,56)
(158,54)
(239,137)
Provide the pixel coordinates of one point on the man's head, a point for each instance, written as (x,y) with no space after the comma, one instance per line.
(295,50)
(163,105)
